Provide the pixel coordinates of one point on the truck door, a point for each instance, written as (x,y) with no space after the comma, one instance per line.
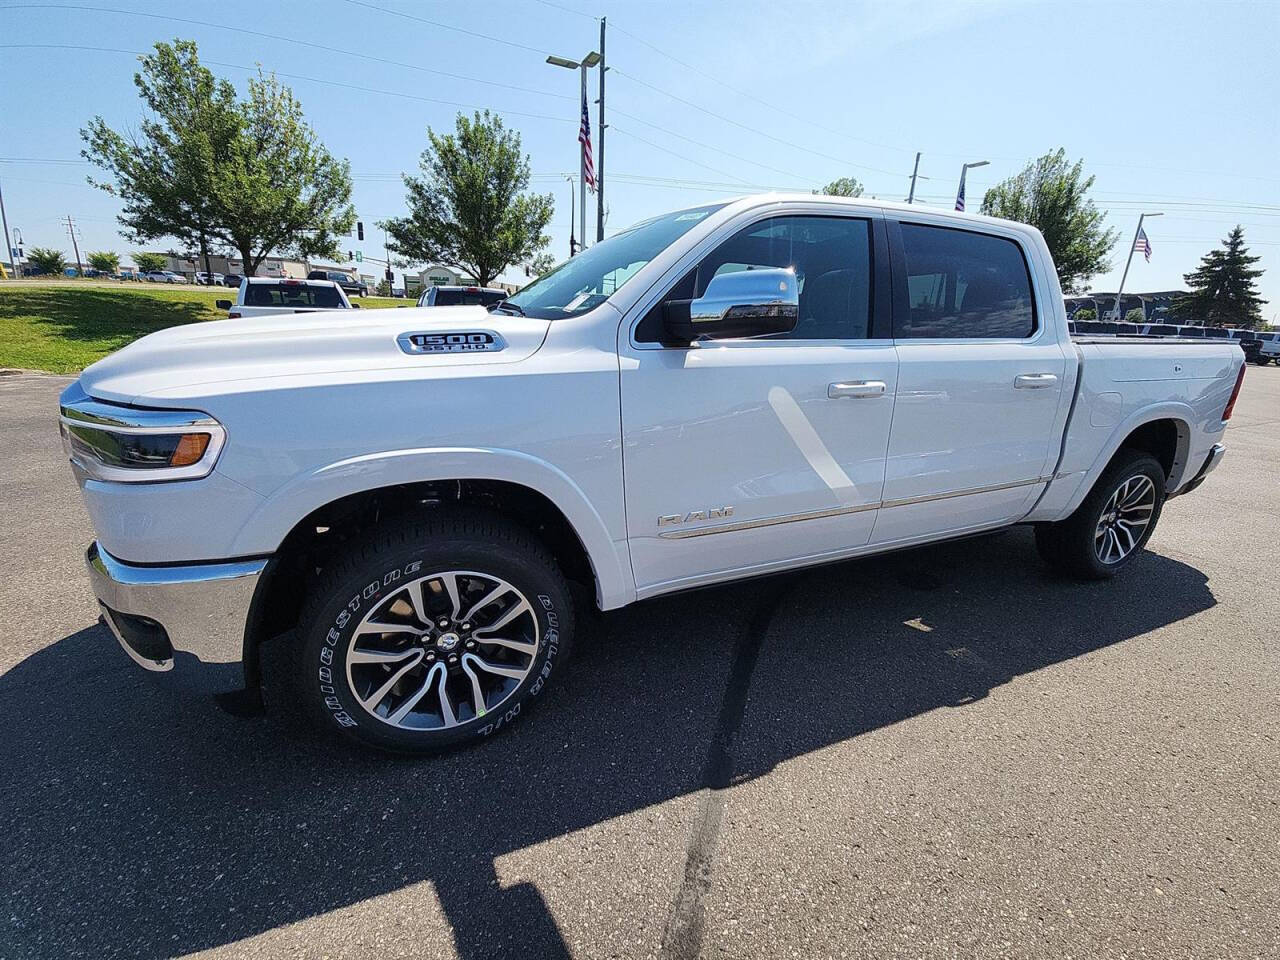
(981,376)
(749,454)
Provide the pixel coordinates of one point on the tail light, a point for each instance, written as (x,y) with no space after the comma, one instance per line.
(1231,404)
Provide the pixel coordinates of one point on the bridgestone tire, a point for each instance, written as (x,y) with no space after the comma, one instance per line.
(373,580)
(1069,545)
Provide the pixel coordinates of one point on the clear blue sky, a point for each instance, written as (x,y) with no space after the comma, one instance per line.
(1172,105)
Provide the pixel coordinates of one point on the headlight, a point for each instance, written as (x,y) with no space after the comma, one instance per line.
(132,445)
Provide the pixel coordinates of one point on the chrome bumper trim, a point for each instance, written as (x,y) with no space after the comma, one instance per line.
(203,607)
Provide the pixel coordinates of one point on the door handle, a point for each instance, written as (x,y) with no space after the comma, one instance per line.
(1034,381)
(856,388)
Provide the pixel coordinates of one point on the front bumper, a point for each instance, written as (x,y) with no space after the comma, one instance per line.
(157,613)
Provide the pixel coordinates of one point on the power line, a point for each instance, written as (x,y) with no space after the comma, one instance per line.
(658,146)
(298,76)
(750,129)
(283,39)
(448,26)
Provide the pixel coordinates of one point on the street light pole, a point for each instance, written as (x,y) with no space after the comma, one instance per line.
(1124,276)
(964,170)
(590,60)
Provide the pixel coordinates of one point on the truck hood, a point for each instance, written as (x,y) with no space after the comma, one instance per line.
(221,356)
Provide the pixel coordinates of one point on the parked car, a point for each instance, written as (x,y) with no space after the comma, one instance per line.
(714,394)
(445,296)
(1268,348)
(349,284)
(164,276)
(210,279)
(263,296)
(232,280)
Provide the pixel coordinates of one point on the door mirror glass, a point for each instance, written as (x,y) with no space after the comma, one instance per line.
(745,303)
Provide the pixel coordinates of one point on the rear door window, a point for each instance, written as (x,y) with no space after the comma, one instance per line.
(962,284)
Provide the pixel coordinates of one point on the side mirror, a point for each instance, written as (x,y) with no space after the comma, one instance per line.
(355,306)
(745,303)
(222,304)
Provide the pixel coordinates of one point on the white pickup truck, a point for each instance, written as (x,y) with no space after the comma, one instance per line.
(267,296)
(760,385)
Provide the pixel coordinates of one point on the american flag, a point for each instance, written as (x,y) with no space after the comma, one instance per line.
(960,198)
(1140,242)
(584,138)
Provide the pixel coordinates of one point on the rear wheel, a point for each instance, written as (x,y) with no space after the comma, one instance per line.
(433,635)
(1113,524)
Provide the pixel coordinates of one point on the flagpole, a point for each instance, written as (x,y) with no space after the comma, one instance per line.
(1124,276)
(582,170)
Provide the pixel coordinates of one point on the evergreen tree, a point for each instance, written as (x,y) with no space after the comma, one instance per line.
(1223,292)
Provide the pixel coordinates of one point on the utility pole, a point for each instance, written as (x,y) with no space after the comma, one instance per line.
(71,231)
(1124,276)
(8,237)
(914,171)
(600,151)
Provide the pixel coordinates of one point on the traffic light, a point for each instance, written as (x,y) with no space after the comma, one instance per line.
(359,230)
(349,256)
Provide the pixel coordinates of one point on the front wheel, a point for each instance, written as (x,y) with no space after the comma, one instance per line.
(434,634)
(1113,524)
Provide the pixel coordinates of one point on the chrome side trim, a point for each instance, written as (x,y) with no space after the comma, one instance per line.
(203,607)
(951,494)
(767,521)
(840,511)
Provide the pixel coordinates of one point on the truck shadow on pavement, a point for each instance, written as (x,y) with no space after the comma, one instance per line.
(142,823)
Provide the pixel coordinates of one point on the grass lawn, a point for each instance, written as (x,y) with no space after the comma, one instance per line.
(63,326)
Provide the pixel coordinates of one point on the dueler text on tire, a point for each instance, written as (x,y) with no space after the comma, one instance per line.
(1114,522)
(433,634)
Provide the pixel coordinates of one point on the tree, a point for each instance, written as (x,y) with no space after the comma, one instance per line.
(165,174)
(1050,194)
(209,169)
(467,209)
(105,261)
(1135,315)
(843,187)
(47,260)
(1223,292)
(1085,315)
(149,262)
(281,191)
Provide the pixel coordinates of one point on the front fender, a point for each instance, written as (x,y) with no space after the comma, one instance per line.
(266,529)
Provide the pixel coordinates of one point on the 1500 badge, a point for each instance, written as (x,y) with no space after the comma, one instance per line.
(461,341)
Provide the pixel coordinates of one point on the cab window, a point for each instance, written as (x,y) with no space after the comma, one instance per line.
(831,257)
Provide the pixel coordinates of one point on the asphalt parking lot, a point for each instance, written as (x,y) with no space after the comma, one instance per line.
(947,752)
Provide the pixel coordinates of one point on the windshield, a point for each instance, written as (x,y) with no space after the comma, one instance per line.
(584,282)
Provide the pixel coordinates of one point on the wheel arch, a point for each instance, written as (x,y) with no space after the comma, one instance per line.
(1163,431)
(297,525)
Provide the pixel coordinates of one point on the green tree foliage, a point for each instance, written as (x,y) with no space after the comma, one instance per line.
(467,209)
(1085,315)
(1223,292)
(1051,195)
(208,169)
(105,261)
(843,187)
(1135,315)
(47,260)
(148,262)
